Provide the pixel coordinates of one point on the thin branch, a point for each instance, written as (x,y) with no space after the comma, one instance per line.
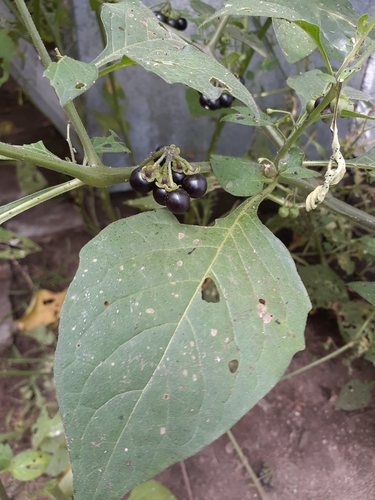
(247,466)
(186,480)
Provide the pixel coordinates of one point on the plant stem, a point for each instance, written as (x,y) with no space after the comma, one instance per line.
(70,109)
(219,125)
(357,337)
(218,32)
(319,361)
(30,201)
(3,493)
(247,466)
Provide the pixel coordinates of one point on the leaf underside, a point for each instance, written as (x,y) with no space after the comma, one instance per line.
(147,371)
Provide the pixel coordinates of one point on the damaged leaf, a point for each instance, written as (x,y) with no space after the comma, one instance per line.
(148,371)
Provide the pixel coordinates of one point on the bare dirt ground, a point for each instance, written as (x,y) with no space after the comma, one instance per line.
(313,451)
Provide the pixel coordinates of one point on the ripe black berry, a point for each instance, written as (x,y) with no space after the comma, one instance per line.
(162,18)
(178,177)
(178,201)
(182,24)
(139,183)
(318,101)
(241,79)
(226,100)
(173,23)
(214,104)
(160,195)
(195,185)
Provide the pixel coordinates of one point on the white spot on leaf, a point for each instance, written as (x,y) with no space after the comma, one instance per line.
(180,236)
(185,373)
(150,310)
(179,263)
(163,430)
(213,332)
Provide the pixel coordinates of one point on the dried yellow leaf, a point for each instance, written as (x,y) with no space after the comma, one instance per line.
(44,309)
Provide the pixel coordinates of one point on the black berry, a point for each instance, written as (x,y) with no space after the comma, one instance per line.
(160,195)
(178,201)
(178,177)
(318,101)
(214,104)
(173,23)
(182,24)
(226,100)
(241,79)
(162,18)
(139,183)
(195,185)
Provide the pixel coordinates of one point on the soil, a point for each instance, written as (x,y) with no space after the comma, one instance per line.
(312,451)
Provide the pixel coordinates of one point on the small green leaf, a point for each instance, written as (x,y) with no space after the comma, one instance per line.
(29,177)
(70,78)
(352,114)
(291,166)
(354,395)
(365,289)
(6,456)
(36,147)
(151,490)
(355,94)
(247,38)
(324,286)
(7,53)
(29,465)
(246,116)
(15,246)
(308,86)
(293,40)
(237,176)
(111,144)
(366,160)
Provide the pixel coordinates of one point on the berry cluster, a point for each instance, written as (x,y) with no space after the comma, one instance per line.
(224,101)
(179,24)
(156,177)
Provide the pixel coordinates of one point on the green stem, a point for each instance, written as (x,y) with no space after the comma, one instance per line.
(297,132)
(30,201)
(245,463)
(3,493)
(218,33)
(70,109)
(219,125)
(357,337)
(319,361)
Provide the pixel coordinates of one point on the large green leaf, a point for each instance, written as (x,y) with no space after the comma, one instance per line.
(337,21)
(134,31)
(293,40)
(147,371)
(238,176)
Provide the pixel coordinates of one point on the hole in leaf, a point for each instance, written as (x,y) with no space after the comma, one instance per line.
(262,301)
(79,85)
(106,303)
(121,417)
(165,396)
(209,291)
(78,345)
(233,365)
(121,28)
